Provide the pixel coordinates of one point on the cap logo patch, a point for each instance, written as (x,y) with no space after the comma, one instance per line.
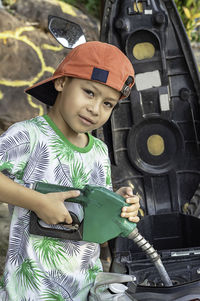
(99,75)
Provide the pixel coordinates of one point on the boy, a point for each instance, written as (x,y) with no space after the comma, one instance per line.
(57,148)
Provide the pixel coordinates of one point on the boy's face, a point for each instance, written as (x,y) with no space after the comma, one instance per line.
(83,105)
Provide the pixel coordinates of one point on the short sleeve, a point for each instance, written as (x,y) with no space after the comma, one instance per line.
(14,150)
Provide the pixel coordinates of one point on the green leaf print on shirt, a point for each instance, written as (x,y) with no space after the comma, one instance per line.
(108,176)
(79,176)
(100,147)
(6,166)
(52,296)
(2,282)
(28,276)
(20,170)
(40,123)
(61,149)
(50,251)
(92,273)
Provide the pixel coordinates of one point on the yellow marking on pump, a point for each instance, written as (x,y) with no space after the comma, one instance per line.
(1,95)
(155,145)
(143,51)
(138,8)
(67,8)
(50,47)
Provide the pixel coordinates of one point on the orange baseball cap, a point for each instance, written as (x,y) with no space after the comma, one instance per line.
(96,61)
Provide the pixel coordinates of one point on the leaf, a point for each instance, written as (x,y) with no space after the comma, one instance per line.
(61,149)
(20,170)
(28,275)
(72,247)
(19,240)
(87,256)
(60,286)
(97,175)
(196,16)
(198,23)
(189,3)
(6,166)
(2,284)
(62,174)
(92,273)
(50,295)
(50,251)
(4,280)
(39,123)
(37,164)
(13,147)
(79,176)
(187,12)
(100,146)
(108,178)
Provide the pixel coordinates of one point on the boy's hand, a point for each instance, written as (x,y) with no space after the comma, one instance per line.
(131,211)
(52,210)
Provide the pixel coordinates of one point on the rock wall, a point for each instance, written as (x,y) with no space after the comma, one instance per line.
(28,53)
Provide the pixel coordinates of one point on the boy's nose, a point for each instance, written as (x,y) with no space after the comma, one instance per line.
(94,107)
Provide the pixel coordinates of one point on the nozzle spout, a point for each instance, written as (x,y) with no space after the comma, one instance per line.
(142,243)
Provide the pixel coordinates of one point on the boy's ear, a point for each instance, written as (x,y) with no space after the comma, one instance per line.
(59,83)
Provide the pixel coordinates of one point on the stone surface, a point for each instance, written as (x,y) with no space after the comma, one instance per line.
(29,53)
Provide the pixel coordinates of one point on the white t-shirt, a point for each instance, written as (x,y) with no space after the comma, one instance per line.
(37,267)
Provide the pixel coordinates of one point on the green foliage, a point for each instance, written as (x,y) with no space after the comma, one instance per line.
(8,2)
(91,6)
(189,11)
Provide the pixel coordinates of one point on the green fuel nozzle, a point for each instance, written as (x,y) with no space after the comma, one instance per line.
(102,210)
(102,221)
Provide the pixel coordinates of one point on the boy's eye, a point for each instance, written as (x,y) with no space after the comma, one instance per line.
(108,104)
(89,92)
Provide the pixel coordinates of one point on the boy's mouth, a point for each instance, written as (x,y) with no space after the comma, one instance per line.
(86,120)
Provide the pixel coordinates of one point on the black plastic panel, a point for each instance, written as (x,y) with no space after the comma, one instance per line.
(153,139)
(168,112)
